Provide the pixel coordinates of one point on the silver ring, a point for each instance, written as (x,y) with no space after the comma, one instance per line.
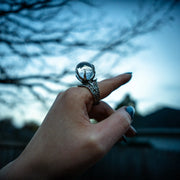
(85,73)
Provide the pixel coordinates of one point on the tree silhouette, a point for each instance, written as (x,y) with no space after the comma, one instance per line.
(128,101)
(32,33)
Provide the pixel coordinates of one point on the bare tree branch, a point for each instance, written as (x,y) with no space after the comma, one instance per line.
(31,31)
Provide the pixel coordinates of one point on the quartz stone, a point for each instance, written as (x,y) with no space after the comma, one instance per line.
(85,72)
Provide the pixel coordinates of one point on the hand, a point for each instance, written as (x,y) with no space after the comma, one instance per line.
(67,143)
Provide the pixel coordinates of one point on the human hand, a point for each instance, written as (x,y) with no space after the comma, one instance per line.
(67,143)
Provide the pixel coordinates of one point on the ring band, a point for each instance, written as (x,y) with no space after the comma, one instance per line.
(94,89)
(85,73)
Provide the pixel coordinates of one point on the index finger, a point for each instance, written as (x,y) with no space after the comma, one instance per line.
(109,85)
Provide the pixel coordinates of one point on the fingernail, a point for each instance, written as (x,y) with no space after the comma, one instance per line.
(128,73)
(131,111)
(135,131)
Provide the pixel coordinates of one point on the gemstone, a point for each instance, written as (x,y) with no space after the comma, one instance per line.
(85,72)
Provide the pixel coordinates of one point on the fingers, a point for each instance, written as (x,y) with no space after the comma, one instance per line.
(109,85)
(105,88)
(100,111)
(131,132)
(112,128)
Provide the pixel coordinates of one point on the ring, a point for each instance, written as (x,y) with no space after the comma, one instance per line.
(85,73)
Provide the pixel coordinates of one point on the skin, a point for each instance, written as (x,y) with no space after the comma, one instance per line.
(66,143)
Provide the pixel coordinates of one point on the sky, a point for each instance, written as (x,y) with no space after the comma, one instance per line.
(156,68)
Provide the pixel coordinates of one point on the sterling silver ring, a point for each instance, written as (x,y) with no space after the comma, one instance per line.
(85,73)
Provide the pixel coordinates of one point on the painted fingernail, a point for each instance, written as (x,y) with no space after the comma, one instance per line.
(124,138)
(131,111)
(128,73)
(135,131)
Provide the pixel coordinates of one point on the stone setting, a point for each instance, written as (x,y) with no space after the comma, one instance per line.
(85,72)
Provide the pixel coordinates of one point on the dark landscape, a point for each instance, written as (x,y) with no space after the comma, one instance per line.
(157,141)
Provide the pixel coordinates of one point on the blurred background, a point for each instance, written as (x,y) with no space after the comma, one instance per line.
(42,41)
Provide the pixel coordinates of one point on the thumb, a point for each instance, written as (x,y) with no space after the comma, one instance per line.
(112,128)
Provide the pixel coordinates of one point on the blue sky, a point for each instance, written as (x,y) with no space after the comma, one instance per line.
(156,68)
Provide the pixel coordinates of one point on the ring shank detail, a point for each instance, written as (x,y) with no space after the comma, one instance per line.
(94,89)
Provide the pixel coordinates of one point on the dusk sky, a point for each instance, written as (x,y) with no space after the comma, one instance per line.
(155,67)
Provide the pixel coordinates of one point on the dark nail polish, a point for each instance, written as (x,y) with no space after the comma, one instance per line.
(135,131)
(131,111)
(128,73)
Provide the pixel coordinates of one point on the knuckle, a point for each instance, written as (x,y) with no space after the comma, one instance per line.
(59,95)
(76,93)
(70,93)
(97,149)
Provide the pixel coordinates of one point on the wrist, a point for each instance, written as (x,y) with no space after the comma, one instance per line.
(22,168)
(10,171)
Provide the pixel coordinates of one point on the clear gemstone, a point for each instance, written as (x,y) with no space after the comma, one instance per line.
(85,71)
